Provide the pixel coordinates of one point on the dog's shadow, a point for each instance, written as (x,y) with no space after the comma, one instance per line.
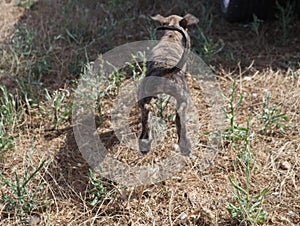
(68,175)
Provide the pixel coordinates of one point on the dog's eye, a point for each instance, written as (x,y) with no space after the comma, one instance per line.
(164,24)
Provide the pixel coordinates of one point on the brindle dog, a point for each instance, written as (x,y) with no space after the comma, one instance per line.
(172,49)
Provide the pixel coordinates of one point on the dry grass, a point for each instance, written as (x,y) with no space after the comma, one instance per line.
(66,34)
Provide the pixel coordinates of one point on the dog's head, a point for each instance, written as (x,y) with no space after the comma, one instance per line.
(175,20)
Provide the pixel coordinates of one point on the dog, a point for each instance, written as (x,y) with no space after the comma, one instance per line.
(163,77)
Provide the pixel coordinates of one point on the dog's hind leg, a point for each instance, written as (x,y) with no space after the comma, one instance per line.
(145,138)
(183,139)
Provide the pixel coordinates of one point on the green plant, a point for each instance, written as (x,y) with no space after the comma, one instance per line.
(286,18)
(272,117)
(23,40)
(6,140)
(10,115)
(234,132)
(9,108)
(98,191)
(255,25)
(247,208)
(27,4)
(17,195)
(60,106)
(207,48)
(30,65)
(206,11)
(162,103)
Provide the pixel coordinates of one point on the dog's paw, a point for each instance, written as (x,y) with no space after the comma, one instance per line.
(144,145)
(185,147)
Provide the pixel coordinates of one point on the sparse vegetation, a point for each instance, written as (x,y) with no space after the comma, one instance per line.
(247,207)
(9,107)
(6,140)
(234,132)
(27,4)
(256,25)
(17,198)
(60,106)
(271,117)
(98,190)
(46,46)
(286,18)
(9,118)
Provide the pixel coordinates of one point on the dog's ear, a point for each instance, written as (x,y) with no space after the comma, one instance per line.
(188,20)
(159,18)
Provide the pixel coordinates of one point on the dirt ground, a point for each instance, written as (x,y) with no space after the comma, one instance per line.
(44,45)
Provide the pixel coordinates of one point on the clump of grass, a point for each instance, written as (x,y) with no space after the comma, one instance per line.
(60,106)
(286,18)
(162,103)
(9,108)
(256,25)
(206,11)
(29,67)
(207,48)
(203,44)
(17,195)
(271,117)
(9,117)
(247,208)
(22,40)
(6,140)
(109,83)
(98,190)
(27,4)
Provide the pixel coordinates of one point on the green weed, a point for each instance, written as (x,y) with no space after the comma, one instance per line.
(206,11)
(272,117)
(27,4)
(23,40)
(234,132)
(10,115)
(60,106)
(256,25)
(286,18)
(162,103)
(206,47)
(247,208)
(29,66)
(17,194)
(98,191)
(9,108)
(6,140)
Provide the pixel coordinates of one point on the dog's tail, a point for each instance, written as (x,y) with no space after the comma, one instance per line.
(168,72)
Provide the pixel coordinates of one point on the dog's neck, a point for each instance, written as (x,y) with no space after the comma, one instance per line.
(172,36)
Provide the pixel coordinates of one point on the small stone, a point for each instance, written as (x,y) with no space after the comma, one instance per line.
(34,220)
(183,218)
(2,206)
(285,165)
